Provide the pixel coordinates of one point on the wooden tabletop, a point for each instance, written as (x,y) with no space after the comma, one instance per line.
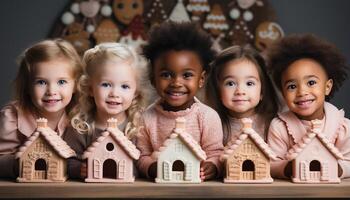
(147,189)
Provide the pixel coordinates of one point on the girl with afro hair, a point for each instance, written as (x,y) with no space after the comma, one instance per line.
(307,70)
(179,55)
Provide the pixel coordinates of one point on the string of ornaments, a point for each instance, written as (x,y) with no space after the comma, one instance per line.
(86,23)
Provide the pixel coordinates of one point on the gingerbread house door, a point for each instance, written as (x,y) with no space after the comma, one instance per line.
(315,170)
(178,170)
(248,170)
(40,169)
(110,169)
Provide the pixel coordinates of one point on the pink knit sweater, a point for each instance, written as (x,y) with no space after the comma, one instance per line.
(286,130)
(201,121)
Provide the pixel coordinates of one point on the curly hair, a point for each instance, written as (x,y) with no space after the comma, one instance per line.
(178,36)
(269,104)
(84,121)
(298,46)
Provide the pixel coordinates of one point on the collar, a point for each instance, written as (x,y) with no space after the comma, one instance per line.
(296,129)
(175,114)
(27,122)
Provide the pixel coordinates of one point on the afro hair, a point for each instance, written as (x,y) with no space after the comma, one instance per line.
(179,36)
(298,46)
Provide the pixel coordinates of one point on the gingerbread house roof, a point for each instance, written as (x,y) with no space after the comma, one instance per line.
(52,138)
(185,137)
(246,132)
(119,137)
(306,140)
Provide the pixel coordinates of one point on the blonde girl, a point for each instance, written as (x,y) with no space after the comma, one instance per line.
(110,87)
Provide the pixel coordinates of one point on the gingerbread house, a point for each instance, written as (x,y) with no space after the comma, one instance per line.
(178,159)
(43,157)
(314,158)
(247,159)
(110,157)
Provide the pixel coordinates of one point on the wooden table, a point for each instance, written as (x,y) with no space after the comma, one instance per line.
(146,189)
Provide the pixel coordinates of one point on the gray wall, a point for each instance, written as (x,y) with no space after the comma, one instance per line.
(25,22)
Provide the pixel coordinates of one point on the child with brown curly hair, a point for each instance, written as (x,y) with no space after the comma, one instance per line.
(307,70)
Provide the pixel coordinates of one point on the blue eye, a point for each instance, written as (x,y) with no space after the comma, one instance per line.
(62,82)
(311,82)
(250,83)
(40,82)
(106,85)
(125,86)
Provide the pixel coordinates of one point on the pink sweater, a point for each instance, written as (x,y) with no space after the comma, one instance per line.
(201,121)
(15,127)
(286,130)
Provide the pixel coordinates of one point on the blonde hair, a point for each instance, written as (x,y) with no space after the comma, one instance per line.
(83,121)
(44,51)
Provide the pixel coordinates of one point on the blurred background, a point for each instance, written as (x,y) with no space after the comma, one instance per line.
(25,22)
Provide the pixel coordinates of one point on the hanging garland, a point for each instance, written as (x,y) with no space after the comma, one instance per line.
(86,23)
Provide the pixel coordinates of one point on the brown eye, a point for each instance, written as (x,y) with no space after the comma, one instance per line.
(120,6)
(135,5)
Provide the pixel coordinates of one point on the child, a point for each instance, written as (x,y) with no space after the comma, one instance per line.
(239,87)
(179,55)
(307,70)
(110,87)
(44,87)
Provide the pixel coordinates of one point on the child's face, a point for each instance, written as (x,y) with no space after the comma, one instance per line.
(53,86)
(304,86)
(240,88)
(177,77)
(113,86)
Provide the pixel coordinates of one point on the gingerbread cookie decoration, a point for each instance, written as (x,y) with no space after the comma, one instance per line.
(78,37)
(216,21)
(156,14)
(125,10)
(267,33)
(134,35)
(107,31)
(198,8)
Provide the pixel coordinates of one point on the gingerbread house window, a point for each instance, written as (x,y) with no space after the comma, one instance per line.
(178,166)
(315,165)
(109,169)
(248,165)
(109,146)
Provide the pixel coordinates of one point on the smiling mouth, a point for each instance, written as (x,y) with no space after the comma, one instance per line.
(304,103)
(51,101)
(176,94)
(239,100)
(113,103)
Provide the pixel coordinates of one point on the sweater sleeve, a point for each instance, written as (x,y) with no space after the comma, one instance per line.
(143,143)
(10,140)
(343,144)
(277,139)
(212,139)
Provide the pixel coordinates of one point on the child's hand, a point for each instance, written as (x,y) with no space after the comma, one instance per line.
(152,170)
(340,171)
(83,170)
(208,171)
